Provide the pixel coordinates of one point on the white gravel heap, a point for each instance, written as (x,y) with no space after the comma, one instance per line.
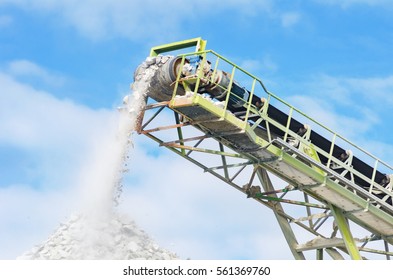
(84,238)
(99,232)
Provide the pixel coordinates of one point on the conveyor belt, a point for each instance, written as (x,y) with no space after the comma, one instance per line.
(315,138)
(270,139)
(322,143)
(238,93)
(167,74)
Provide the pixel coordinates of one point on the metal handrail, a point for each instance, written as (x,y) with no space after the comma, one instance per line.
(250,107)
(272,95)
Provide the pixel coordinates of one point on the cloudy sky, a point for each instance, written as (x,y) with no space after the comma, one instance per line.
(65,66)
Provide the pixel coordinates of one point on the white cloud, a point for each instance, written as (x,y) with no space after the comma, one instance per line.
(348,3)
(32,118)
(353,91)
(374,89)
(5,20)
(265,64)
(144,19)
(290,19)
(25,68)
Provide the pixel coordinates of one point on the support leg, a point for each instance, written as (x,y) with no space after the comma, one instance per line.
(283,222)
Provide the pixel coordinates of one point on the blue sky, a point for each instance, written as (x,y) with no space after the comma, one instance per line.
(65,66)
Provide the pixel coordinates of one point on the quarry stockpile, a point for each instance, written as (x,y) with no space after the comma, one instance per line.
(116,238)
(99,231)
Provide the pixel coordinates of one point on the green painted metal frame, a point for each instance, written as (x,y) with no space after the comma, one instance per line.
(284,219)
(313,170)
(198,43)
(343,226)
(264,116)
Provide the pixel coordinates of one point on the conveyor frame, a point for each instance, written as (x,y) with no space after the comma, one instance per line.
(326,195)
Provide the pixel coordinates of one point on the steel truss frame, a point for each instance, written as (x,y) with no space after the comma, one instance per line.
(312,222)
(320,221)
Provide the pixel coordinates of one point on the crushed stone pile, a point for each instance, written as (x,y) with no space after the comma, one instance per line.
(82,238)
(99,231)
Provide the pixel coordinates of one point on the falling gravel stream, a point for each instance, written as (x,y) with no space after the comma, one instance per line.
(99,231)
